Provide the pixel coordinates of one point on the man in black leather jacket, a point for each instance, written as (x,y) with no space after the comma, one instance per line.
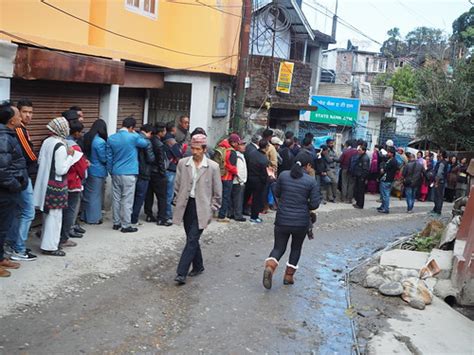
(158,181)
(145,160)
(13,176)
(360,173)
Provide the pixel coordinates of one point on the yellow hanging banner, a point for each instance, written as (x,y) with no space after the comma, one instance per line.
(285,75)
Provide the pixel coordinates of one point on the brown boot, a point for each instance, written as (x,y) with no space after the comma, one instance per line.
(4,273)
(270,266)
(7,264)
(289,272)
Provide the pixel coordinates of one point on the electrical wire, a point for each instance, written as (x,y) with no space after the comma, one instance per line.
(56,8)
(84,60)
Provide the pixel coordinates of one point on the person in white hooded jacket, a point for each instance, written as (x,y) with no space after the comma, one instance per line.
(238,187)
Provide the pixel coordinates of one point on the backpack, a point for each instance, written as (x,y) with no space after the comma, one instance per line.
(219,158)
(353,164)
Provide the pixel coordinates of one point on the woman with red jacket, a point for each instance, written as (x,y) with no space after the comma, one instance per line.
(75,176)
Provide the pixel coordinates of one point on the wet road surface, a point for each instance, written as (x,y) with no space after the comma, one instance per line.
(224,310)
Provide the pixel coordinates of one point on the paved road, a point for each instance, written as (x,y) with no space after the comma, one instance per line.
(224,310)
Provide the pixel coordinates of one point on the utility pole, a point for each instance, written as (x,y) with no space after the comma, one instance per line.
(242,70)
(272,60)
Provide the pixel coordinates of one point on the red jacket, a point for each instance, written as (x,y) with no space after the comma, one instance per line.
(230,162)
(77,172)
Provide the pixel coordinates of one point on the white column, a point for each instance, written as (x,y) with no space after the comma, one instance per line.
(5,89)
(146,106)
(108,111)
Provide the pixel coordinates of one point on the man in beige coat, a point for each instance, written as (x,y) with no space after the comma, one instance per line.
(197,184)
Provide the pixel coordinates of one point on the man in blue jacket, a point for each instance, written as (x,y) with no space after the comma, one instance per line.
(122,164)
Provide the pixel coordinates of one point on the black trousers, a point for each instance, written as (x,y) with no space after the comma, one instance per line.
(237,201)
(359,191)
(438,198)
(282,235)
(8,203)
(256,189)
(156,187)
(70,214)
(192,250)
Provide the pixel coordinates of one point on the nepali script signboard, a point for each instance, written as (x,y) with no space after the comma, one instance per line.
(333,110)
(285,75)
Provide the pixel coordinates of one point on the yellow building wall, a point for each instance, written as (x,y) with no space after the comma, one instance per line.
(183,36)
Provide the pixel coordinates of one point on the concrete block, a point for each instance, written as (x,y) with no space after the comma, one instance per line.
(444,259)
(445,288)
(459,246)
(406,259)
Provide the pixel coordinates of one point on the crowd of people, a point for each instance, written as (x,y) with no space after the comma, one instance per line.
(165,162)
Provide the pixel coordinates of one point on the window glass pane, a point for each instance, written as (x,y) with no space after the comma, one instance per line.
(136,3)
(147,6)
(152,6)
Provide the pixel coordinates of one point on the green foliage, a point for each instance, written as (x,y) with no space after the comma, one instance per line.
(403,82)
(463,28)
(426,243)
(446,104)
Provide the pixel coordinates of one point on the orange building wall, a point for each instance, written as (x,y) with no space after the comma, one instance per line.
(210,35)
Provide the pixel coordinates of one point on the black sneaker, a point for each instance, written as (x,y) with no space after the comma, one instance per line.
(129,230)
(193,272)
(166,223)
(150,219)
(181,280)
(74,234)
(79,229)
(116,227)
(243,219)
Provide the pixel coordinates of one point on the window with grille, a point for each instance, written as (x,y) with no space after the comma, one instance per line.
(147,8)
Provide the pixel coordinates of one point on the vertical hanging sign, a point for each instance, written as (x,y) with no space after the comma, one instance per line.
(285,75)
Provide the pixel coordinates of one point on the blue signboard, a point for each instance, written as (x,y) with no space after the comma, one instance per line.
(333,110)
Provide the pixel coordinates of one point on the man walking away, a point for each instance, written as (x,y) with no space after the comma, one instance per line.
(198,183)
(13,177)
(286,155)
(238,186)
(331,159)
(440,176)
(412,178)
(158,184)
(386,181)
(146,158)
(122,164)
(360,173)
(226,158)
(347,180)
(25,213)
(182,130)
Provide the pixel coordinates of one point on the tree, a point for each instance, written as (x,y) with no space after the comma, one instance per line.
(447,104)
(394,46)
(403,82)
(463,29)
(426,42)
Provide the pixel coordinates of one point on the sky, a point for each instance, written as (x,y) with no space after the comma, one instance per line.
(375,17)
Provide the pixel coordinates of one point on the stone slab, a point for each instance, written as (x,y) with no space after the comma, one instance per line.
(406,259)
(459,246)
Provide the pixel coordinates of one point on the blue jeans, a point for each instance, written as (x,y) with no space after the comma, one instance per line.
(170,176)
(21,221)
(141,189)
(410,193)
(385,189)
(226,195)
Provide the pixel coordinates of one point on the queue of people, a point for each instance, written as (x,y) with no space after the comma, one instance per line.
(191,182)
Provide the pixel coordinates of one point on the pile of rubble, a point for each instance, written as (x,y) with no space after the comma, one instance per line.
(412,275)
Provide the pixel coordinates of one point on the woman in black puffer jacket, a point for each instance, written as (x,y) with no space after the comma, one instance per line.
(298,193)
